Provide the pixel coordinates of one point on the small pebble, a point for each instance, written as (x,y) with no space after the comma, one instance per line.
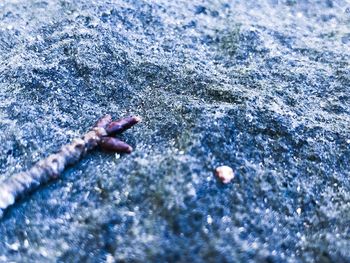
(14,247)
(224,173)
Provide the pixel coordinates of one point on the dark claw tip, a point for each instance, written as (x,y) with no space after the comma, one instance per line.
(121,125)
(114,145)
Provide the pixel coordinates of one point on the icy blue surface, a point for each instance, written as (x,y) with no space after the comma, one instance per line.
(261,86)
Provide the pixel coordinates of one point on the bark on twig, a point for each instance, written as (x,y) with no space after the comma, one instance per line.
(18,185)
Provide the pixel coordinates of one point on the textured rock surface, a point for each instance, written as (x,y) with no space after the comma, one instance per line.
(261,87)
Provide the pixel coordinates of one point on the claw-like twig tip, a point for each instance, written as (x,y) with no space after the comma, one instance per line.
(116,127)
(137,119)
(47,169)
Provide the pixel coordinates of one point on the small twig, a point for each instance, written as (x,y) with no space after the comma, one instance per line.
(50,168)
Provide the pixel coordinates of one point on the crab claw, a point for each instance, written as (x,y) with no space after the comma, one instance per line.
(115,145)
(121,125)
